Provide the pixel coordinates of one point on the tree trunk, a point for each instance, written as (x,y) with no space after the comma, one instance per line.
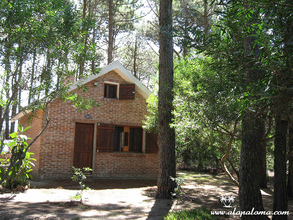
(166,135)
(290,168)
(280,189)
(252,134)
(6,118)
(111,32)
(285,80)
(82,58)
(249,179)
(205,17)
(16,103)
(135,57)
(93,64)
(263,158)
(30,95)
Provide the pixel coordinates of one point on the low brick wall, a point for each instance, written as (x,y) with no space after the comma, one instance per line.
(126,165)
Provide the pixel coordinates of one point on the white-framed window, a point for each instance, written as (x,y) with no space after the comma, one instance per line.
(114,90)
(111,90)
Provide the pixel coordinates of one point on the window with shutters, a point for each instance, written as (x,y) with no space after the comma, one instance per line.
(119,138)
(105,137)
(122,91)
(110,91)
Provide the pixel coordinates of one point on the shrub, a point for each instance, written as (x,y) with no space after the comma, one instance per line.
(19,173)
(79,177)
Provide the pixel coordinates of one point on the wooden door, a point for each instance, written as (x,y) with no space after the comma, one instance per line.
(83,145)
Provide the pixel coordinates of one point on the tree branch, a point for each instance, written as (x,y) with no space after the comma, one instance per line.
(234,181)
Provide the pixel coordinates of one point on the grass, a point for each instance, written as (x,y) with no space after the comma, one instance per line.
(203,177)
(193,214)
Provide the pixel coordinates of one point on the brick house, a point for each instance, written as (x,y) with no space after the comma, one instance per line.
(109,139)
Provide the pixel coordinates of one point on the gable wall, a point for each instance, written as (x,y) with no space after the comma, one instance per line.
(57,147)
(32,132)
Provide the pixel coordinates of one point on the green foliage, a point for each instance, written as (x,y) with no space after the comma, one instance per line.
(79,177)
(193,214)
(206,106)
(151,122)
(20,173)
(178,191)
(80,102)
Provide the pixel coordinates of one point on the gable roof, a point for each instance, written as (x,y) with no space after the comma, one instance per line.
(114,66)
(121,71)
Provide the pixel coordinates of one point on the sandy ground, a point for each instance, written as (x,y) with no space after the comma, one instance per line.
(118,199)
(124,199)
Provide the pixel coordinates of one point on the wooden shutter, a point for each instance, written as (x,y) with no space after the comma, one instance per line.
(105,138)
(152,143)
(135,139)
(127,91)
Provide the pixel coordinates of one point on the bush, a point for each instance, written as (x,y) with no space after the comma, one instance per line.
(192,214)
(79,177)
(20,172)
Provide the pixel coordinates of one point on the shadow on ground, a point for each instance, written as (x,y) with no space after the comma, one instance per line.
(160,209)
(92,183)
(68,210)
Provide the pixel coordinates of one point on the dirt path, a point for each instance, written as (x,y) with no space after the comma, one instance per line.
(118,199)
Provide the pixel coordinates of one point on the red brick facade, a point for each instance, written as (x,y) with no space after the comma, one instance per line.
(54,150)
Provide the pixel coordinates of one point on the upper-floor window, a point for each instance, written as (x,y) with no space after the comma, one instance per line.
(110,91)
(119,91)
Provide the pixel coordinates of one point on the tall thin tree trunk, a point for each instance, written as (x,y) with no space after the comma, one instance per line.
(249,180)
(205,17)
(135,57)
(93,64)
(185,40)
(285,81)
(263,158)
(166,135)
(6,118)
(290,167)
(111,32)
(280,186)
(17,79)
(82,58)
(30,95)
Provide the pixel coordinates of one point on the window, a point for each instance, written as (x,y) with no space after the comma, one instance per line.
(119,138)
(110,91)
(122,91)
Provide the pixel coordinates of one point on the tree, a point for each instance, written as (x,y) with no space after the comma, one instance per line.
(249,183)
(31,30)
(136,56)
(192,23)
(118,17)
(282,102)
(37,46)
(166,134)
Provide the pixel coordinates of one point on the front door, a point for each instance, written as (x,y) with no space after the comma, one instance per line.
(83,145)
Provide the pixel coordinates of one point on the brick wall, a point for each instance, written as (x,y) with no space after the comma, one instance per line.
(126,165)
(56,147)
(36,127)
